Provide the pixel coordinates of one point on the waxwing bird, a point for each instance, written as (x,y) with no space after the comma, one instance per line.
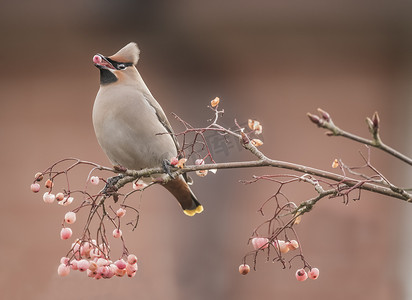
(127,121)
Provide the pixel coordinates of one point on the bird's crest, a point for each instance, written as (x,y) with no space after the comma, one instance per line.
(128,54)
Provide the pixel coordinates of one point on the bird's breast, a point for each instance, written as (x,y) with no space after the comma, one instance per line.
(128,129)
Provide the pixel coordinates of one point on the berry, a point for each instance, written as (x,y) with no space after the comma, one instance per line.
(65,233)
(94,180)
(120,264)
(66,201)
(64,260)
(260,243)
(199,162)
(120,212)
(73,265)
(48,184)
(70,217)
(283,246)
(131,269)
(313,273)
(101,262)
(174,161)
(117,233)
(244,269)
(120,272)
(92,266)
(59,196)
(293,244)
(48,198)
(301,275)
(83,265)
(63,270)
(35,187)
(132,259)
(38,176)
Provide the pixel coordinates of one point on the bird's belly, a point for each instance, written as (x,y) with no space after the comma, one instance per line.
(135,145)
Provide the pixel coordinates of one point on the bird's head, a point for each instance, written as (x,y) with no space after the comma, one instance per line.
(119,66)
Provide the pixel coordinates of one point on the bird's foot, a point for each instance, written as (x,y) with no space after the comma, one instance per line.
(110,187)
(166,167)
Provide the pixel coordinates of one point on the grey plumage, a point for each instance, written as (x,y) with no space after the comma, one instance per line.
(127,121)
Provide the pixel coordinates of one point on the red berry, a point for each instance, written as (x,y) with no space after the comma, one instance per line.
(174,161)
(313,273)
(244,269)
(35,187)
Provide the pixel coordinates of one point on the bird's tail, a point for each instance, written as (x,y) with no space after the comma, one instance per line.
(182,192)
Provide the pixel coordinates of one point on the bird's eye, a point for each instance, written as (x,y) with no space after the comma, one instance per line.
(121,66)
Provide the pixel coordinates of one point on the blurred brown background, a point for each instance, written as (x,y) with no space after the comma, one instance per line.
(269,60)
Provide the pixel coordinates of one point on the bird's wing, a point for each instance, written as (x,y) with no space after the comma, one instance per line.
(162,118)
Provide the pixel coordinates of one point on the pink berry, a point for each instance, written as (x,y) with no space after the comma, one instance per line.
(244,269)
(293,244)
(96,253)
(101,262)
(59,196)
(283,246)
(83,265)
(92,266)
(260,243)
(73,265)
(35,187)
(63,270)
(120,264)
(48,198)
(132,259)
(66,201)
(117,233)
(94,180)
(64,260)
(48,184)
(65,233)
(174,161)
(120,212)
(131,269)
(70,217)
(120,272)
(313,273)
(301,275)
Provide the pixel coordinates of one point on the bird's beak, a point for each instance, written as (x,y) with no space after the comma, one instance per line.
(102,62)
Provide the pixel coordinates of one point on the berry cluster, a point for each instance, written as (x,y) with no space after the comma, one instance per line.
(87,257)
(86,254)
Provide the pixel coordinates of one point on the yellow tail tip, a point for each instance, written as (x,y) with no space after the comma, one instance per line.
(192,212)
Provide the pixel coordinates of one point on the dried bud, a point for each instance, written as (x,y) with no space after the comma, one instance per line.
(38,176)
(215,102)
(297,220)
(324,114)
(371,127)
(335,164)
(181,163)
(48,184)
(375,120)
(314,118)
(256,142)
(259,129)
(201,173)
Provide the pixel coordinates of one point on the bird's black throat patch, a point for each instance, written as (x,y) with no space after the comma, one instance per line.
(106,76)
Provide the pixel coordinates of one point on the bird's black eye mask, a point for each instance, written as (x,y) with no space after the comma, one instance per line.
(119,65)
